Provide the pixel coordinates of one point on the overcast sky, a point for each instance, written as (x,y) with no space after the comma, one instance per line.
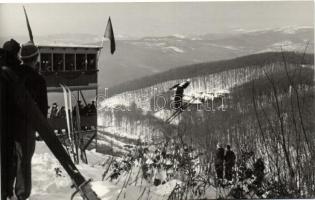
(153,19)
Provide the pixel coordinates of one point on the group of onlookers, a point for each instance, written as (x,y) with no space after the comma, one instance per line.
(89,109)
(172,160)
(224,162)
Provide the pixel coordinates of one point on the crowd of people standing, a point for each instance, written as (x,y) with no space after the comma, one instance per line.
(224,162)
(56,112)
(173,160)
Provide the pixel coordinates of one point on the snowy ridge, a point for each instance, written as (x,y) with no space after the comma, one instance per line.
(146,131)
(176,49)
(179,36)
(217,81)
(286,45)
(285,29)
(293,29)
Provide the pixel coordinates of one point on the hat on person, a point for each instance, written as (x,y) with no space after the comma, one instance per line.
(12,46)
(28,50)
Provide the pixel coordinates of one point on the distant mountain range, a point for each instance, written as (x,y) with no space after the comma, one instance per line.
(214,67)
(135,58)
(146,56)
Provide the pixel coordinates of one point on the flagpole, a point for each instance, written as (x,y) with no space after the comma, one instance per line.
(99,52)
(28,26)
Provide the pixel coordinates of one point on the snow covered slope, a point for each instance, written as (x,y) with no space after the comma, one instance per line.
(47,185)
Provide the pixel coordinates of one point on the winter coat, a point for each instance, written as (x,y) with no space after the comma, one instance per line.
(35,84)
(219,157)
(229,158)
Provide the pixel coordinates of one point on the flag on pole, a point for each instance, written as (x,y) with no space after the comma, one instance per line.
(28,27)
(109,33)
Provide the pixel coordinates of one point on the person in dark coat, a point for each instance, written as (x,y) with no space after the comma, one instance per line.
(25,138)
(179,93)
(93,108)
(259,167)
(54,111)
(219,160)
(62,112)
(8,115)
(229,159)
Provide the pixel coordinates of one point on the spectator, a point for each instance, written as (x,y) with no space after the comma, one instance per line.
(8,122)
(25,140)
(259,167)
(219,160)
(93,108)
(229,159)
(62,112)
(54,111)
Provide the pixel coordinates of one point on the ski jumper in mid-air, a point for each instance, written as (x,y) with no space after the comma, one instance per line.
(179,93)
(177,104)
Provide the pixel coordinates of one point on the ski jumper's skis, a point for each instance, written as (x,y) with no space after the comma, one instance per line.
(40,123)
(179,111)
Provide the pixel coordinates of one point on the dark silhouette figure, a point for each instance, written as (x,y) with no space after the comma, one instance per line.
(219,160)
(8,123)
(25,138)
(62,112)
(259,167)
(229,159)
(54,111)
(93,108)
(178,99)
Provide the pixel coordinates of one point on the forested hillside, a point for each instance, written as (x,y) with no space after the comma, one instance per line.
(268,116)
(190,71)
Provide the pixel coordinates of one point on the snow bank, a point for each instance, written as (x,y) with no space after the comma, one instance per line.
(47,185)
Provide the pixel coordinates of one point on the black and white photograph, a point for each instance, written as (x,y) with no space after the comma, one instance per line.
(148,100)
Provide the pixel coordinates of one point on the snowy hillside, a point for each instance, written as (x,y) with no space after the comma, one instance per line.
(151,99)
(47,185)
